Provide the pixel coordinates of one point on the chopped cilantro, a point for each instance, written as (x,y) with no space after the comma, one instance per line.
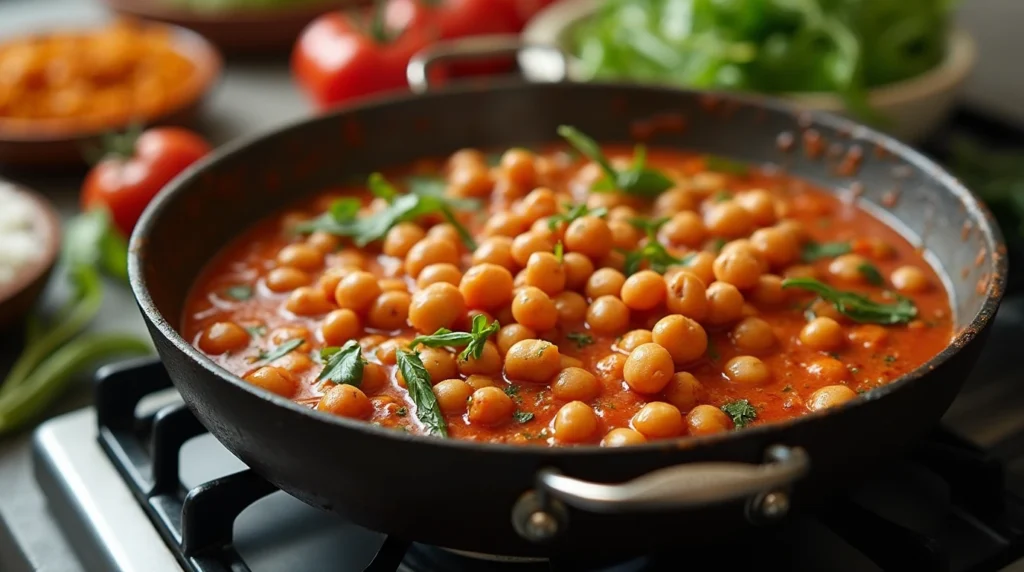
(402,411)
(741,412)
(890,359)
(522,416)
(574,212)
(581,339)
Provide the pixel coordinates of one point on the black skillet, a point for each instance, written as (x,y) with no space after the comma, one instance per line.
(536,501)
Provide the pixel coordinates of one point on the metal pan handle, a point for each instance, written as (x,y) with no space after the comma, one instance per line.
(540,515)
(477,48)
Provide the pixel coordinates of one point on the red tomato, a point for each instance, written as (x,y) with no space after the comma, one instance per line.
(336,60)
(125,185)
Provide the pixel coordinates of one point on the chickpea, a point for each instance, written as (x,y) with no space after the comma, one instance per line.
(684,229)
(308,301)
(544,271)
(437,306)
(439,363)
(608,316)
(707,420)
(517,166)
(624,235)
(768,290)
(489,362)
(702,265)
(794,228)
(753,335)
(274,380)
(604,282)
(440,272)
(387,351)
(800,271)
(375,377)
(329,280)
(683,338)
(537,204)
(869,336)
(534,309)
(447,233)
(828,369)
(389,311)
(658,420)
(401,238)
(578,269)
(371,342)
(393,285)
(453,395)
(535,361)
(350,257)
(430,251)
(478,381)
(301,256)
(575,422)
(648,368)
(739,268)
(674,201)
(486,286)
(565,362)
(340,326)
(777,247)
(622,437)
(575,384)
(822,334)
(470,180)
(760,204)
(634,339)
(512,334)
(325,242)
(848,267)
(615,260)
(910,280)
(821,308)
(725,304)
(728,219)
(684,391)
(357,291)
(830,396)
(223,337)
(623,213)
(611,368)
(504,223)
(644,290)
(286,278)
(295,362)
(524,245)
(747,370)
(686,295)
(571,308)
(495,250)
(282,335)
(590,236)
(490,406)
(347,401)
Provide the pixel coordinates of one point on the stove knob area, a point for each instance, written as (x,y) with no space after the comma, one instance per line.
(539,521)
(768,507)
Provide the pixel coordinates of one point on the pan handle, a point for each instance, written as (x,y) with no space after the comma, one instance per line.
(540,515)
(476,48)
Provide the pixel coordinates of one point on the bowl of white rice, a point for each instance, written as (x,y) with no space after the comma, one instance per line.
(29,242)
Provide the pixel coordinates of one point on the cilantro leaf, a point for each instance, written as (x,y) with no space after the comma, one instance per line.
(871,274)
(574,212)
(474,340)
(635,180)
(582,340)
(816,250)
(381,188)
(741,412)
(418,383)
(858,308)
(345,365)
(522,416)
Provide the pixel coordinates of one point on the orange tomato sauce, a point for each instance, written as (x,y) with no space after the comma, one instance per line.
(780,379)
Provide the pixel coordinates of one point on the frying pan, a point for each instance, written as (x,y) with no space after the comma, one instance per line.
(550,502)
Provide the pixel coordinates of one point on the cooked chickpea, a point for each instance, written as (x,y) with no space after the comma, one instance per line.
(648,368)
(794,228)
(537,204)
(357,291)
(725,304)
(453,395)
(544,271)
(768,290)
(608,316)
(517,166)
(323,241)
(286,333)
(347,401)
(604,282)
(622,437)
(615,260)
(578,269)
(495,250)
(565,362)
(340,326)
(486,286)
(534,309)
(393,285)
(686,295)
(223,337)
(753,336)
(401,238)
(535,361)
(674,201)
(295,362)
(524,245)
(575,384)
(488,363)
(624,235)
(371,342)
(447,233)
(274,380)
(910,280)
(822,334)
(728,219)
(301,256)
(375,377)
(440,272)
(490,406)
(590,236)
(644,290)
(387,351)
(684,391)
(474,157)
(286,279)
(658,420)
(389,311)
(683,338)
(437,306)
(870,336)
(308,301)
(684,229)
(470,180)
(830,396)
(512,334)
(848,267)
(760,204)
(350,257)
(439,363)
(739,268)
(575,422)
(478,381)
(610,368)
(634,339)
(707,420)
(430,251)
(571,307)
(504,223)
(800,271)
(702,265)
(747,370)
(331,277)
(777,247)
(828,369)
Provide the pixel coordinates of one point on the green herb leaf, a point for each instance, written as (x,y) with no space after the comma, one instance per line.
(344,365)
(582,340)
(255,331)
(559,252)
(281,350)
(381,188)
(636,180)
(871,274)
(512,390)
(474,340)
(574,212)
(240,292)
(522,416)
(402,411)
(741,412)
(91,239)
(713,350)
(857,307)
(649,226)
(657,257)
(817,250)
(725,165)
(418,383)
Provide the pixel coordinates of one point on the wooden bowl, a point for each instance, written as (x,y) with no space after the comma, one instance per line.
(235,31)
(61,143)
(18,296)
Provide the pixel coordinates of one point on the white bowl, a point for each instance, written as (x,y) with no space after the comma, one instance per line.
(914,107)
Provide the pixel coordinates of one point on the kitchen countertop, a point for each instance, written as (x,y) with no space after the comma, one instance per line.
(254,96)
